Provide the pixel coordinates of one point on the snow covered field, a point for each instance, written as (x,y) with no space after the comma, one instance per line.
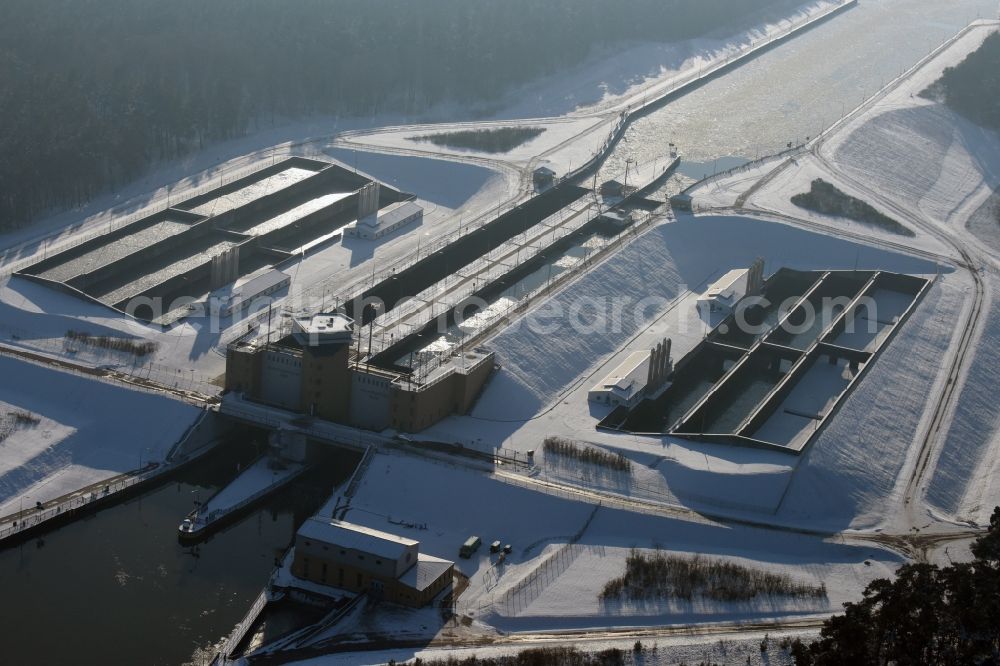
(89,431)
(565,551)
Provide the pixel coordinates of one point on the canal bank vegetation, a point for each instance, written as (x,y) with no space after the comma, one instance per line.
(18,419)
(925,615)
(826,199)
(94,93)
(500,140)
(972,87)
(132,346)
(561,446)
(661,576)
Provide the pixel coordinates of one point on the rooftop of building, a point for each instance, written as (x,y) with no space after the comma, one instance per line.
(629,377)
(323,328)
(726,282)
(251,285)
(427,570)
(392,214)
(356,537)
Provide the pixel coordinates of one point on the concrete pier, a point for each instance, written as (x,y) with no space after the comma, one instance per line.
(264,476)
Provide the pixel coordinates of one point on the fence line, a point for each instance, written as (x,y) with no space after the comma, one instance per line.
(131,366)
(29,518)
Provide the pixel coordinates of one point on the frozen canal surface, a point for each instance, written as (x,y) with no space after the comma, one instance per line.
(115,250)
(800,87)
(253,191)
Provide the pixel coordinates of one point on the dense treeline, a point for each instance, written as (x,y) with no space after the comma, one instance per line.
(826,199)
(660,575)
(972,87)
(502,140)
(133,346)
(926,615)
(94,91)
(566,447)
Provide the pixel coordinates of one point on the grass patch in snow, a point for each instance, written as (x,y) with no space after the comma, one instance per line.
(567,447)
(972,87)
(18,419)
(136,348)
(500,140)
(662,576)
(826,199)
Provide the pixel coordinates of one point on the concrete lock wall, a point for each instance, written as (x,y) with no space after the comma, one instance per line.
(370,401)
(326,385)
(243,370)
(281,379)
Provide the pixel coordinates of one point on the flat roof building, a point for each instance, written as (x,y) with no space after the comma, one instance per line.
(359,559)
(723,294)
(379,224)
(626,384)
(543,176)
(325,328)
(244,292)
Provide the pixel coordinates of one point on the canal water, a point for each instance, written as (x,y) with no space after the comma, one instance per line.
(118,588)
(797,89)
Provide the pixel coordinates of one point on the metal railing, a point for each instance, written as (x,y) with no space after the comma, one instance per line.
(31,518)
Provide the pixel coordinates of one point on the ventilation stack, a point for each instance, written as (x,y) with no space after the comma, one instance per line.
(755,277)
(659,365)
(368,200)
(224,268)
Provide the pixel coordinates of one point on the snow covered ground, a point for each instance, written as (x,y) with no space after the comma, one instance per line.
(89,431)
(939,168)
(721,647)
(564,551)
(565,143)
(553,355)
(36,318)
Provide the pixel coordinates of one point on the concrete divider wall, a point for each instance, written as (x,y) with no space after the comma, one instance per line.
(187,282)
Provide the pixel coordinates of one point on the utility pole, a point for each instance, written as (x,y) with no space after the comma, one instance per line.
(625,184)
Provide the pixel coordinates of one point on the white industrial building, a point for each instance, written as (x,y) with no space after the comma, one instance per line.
(378,224)
(626,384)
(723,294)
(242,293)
